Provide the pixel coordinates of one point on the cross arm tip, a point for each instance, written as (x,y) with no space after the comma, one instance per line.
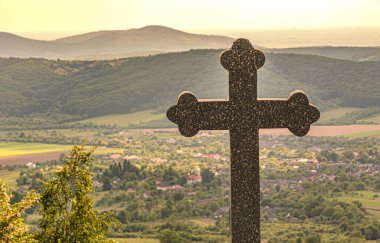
(302,113)
(180,114)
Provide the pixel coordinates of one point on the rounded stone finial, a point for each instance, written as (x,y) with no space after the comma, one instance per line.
(242,56)
(182,114)
(302,113)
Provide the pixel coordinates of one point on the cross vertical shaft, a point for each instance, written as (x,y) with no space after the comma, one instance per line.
(243,115)
(245,186)
(244,141)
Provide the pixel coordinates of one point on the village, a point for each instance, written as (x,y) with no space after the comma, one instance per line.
(157,176)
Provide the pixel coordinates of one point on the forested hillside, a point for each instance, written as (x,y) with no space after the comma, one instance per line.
(93,88)
(341,52)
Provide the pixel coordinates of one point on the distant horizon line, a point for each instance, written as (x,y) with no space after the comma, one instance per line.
(53,35)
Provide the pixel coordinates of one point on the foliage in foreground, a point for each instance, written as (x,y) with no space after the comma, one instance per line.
(67,209)
(12,227)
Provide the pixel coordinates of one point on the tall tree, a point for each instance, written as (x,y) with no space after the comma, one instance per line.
(67,210)
(107,184)
(12,227)
(169,236)
(207,176)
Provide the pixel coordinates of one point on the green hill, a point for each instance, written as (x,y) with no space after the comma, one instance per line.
(341,52)
(82,89)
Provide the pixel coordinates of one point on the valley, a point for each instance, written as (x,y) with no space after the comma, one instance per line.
(87,89)
(155,179)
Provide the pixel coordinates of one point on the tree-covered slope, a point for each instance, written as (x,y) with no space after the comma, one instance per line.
(93,88)
(341,52)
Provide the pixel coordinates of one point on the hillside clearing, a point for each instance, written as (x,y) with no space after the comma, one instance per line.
(336,113)
(124,120)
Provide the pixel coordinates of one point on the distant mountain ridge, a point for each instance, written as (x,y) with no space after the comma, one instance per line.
(154,39)
(110,44)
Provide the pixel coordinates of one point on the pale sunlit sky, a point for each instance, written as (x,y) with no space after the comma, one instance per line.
(42,16)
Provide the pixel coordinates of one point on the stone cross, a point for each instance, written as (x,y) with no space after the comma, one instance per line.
(243,114)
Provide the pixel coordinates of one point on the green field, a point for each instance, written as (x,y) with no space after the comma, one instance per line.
(14,148)
(134,240)
(285,231)
(375,133)
(49,132)
(366,198)
(96,196)
(104,150)
(373,119)
(203,222)
(337,113)
(69,132)
(9,178)
(124,120)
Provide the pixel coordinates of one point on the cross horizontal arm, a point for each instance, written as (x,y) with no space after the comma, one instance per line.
(212,115)
(295,113)
(273,113)
(192,115)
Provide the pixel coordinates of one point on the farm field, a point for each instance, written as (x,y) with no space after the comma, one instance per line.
(371,203)
(34,157)
(322,131)
(9,178)
(204,222)
(14,148)
(125,120)
(134,240)
(282,232)
(20,153)
(24,152)
(270,230)
(374,119)
(364,134)
(45,133)
(317,131)
(337,113)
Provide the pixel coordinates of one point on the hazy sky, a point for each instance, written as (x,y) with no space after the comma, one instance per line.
(20,16)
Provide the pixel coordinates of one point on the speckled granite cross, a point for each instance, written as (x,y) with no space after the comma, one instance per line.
(243,115)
